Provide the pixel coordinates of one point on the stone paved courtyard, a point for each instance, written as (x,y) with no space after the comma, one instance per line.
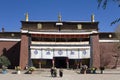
(68,75)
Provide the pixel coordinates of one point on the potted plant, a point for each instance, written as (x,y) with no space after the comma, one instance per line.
(93,69)
(31,69)
(4,69)
(4,61)
(18,69)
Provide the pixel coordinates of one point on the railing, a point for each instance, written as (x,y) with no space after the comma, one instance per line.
(59,43)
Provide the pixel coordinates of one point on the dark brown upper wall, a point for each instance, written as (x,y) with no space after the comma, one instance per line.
(107,35)
(32,25)
(16,35)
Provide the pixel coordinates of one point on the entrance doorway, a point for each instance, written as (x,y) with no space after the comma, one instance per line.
(60,62)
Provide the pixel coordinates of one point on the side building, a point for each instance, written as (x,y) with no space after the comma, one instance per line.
(10,46)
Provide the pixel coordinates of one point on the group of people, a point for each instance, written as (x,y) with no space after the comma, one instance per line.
(54,72)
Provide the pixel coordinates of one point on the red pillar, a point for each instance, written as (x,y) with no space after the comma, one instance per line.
(95,51)
(24,51)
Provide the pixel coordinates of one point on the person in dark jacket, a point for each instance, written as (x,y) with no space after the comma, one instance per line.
(52,71)
(61,72)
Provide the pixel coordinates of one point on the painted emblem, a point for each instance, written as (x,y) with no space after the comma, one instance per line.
(60,52)
(48,52)
(35,52)
(72,53)
(84,52)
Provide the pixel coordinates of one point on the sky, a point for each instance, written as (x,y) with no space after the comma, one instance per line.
(12,12)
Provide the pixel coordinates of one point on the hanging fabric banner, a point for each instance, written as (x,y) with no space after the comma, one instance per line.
(72,54)
(60,53)
(84,53)
(47,54)
(35,53)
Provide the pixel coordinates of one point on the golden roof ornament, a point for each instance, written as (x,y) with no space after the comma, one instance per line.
(92,18)
(59,17)
(26,17)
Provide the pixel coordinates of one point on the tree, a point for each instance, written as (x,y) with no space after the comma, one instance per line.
(105,58)
(116,48)
(104,3)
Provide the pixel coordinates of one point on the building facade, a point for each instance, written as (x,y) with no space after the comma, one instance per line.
(61,44)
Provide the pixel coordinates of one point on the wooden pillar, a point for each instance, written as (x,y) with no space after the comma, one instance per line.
(67,62)
(95,54)
(53,62)
(24,51)
(40,63)
(77,64)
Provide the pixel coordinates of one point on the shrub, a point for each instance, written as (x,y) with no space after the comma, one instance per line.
(31,69)
(4,61)
(18,68)
(4,68)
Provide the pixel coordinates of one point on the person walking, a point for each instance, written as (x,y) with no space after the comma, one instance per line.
(85,69)
(55,72)
(52,71)
(61,72)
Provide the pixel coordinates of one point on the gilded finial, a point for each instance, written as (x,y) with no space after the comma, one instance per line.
(59,17)
(26,17)
(92,18)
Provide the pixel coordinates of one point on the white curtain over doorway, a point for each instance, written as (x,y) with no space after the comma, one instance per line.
(36,54)
(60,53)
(84,53)
(78,53)
(47,53)
(72,54)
